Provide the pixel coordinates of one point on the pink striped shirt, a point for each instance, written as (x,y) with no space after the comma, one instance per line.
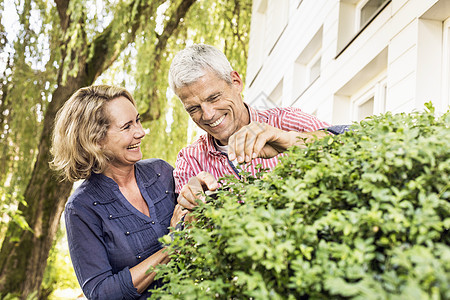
(202,155)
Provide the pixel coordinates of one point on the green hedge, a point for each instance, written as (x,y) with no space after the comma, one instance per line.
(364,215)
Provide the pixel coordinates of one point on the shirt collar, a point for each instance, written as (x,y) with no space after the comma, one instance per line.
(210,145)
(254,116)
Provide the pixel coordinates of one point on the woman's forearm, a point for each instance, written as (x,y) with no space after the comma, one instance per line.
(141,278)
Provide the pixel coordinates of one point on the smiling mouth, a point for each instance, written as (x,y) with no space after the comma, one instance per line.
(217,122)
(134,146)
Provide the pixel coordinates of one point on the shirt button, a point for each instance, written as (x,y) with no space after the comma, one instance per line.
(95,203)
(153,222)
(159,174)
(127,233)
(167,192)
(138,257)
(110,217)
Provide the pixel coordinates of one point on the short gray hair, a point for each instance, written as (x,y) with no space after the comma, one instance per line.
(192,63)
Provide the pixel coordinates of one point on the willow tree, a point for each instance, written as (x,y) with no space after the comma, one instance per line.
(83,48)
(62,46)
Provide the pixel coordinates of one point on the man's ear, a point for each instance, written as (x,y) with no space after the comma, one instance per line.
(236,81)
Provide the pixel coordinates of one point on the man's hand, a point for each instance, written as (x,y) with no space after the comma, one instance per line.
(193,190)
(265,141)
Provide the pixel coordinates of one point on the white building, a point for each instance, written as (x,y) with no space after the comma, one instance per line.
(344,60)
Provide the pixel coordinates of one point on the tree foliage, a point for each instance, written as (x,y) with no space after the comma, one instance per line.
(363,215)
(54,48)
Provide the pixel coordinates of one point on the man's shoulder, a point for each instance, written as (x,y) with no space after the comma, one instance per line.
(200,144)
(277,112)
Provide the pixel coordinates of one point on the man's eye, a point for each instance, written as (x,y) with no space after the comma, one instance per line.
(126,127)
(193,110)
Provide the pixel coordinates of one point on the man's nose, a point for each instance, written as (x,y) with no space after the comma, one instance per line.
(208,111)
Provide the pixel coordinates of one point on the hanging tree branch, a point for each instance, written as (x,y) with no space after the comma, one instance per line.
(170,27)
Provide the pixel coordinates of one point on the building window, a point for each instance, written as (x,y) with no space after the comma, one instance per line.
(370,101)
(368,10)
(364,94)
(365,109)
(276,96)
(354,17)
(314,68)
(308,64)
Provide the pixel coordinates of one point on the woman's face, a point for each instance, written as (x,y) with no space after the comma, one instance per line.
(123,138)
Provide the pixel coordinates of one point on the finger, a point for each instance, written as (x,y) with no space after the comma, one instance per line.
(186,198)
(177,216)
(259,144)
(231,147)
(180,210)
(186,204)
(239,145)
(254,131)
(195,186)
(208,181)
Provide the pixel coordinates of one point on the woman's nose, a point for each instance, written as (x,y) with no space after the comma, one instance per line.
(139,133)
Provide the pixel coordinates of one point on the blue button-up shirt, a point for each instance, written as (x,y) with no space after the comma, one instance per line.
(107,235)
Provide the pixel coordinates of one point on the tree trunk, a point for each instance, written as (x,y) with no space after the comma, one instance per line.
(23,256)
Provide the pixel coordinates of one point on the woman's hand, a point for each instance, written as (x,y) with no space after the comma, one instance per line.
(178,214)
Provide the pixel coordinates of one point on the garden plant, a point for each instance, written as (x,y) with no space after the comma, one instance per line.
(363,215)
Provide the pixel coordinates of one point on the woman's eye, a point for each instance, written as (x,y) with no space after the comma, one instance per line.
(126,126)
(138,120)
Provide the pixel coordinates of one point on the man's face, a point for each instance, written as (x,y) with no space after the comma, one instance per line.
(215,105)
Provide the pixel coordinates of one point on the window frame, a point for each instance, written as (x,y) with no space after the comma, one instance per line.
(376,91)
(317,58)
(359,6)
(357,13)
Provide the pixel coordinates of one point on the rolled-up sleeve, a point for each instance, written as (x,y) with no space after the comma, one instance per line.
(90,258)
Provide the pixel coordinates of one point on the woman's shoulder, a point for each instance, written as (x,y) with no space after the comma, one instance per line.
(86,193)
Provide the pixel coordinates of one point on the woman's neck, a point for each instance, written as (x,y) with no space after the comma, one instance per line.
(123,176)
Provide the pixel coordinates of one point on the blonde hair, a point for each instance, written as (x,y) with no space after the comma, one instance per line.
(80,125)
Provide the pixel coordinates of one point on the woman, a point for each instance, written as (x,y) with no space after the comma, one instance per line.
(114,219)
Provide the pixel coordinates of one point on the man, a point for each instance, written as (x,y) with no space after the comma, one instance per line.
(210,90)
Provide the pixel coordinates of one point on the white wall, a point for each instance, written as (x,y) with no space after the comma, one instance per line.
(399,61)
